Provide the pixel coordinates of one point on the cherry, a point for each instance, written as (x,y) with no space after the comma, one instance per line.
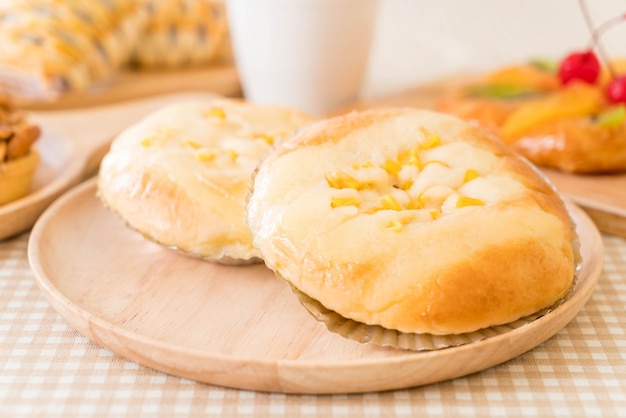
(585,65)
(616,90)
(580,66)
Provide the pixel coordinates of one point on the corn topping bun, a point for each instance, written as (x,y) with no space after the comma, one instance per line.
(181,175)
(412,220)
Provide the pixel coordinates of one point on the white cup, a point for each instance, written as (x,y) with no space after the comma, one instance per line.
(308,54)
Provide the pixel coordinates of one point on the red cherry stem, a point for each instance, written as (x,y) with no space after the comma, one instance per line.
(595,39)
(594,36)
(598,32)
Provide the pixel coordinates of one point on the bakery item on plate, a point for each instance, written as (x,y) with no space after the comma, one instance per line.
(50,47)
(411,220)
(181,175)
(18,157)
(570,126)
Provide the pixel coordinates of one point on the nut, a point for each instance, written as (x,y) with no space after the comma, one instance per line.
(21,142)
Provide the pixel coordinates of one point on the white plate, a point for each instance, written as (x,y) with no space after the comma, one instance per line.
(58,170)
(240,326)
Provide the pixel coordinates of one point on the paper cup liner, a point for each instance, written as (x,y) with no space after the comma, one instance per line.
(379,335)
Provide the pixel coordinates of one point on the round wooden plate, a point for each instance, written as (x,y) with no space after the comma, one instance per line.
(58,171)
(239,326)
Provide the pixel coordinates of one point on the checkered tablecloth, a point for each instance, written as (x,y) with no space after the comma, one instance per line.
(47,369)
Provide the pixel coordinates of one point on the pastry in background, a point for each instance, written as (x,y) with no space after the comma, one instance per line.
(568,125)
(18,156)
(181,176)
(182,33)
(49,47)
(411,220)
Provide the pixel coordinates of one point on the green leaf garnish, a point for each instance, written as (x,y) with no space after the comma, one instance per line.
(546,65)
(613,116)
(499,91)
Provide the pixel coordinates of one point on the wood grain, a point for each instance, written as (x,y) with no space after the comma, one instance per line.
(239,326)
(602,196)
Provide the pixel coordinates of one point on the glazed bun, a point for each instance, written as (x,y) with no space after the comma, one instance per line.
(181,175)
(412,220)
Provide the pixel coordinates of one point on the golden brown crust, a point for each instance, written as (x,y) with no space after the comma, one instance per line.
(576,146)
(200,34)
(396,266)
(335,129)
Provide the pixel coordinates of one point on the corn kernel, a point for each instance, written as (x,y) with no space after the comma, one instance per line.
(392,167)
(422,200)
(269,140)
(395,226)
(364,165)
(215,112)
(470,174)
(390,202)
(434,214)
(341,180)
(432,139)
(464,201)
(205,155)
(336,202)
(410,157)
(192,144)
(415,204)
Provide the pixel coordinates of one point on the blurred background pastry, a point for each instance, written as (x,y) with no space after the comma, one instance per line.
(572,127)
(18,157)
(52,47)
(48,47)
(181,33)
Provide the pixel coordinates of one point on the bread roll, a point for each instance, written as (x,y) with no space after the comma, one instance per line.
(182,33)
(411,220)
(181,175)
